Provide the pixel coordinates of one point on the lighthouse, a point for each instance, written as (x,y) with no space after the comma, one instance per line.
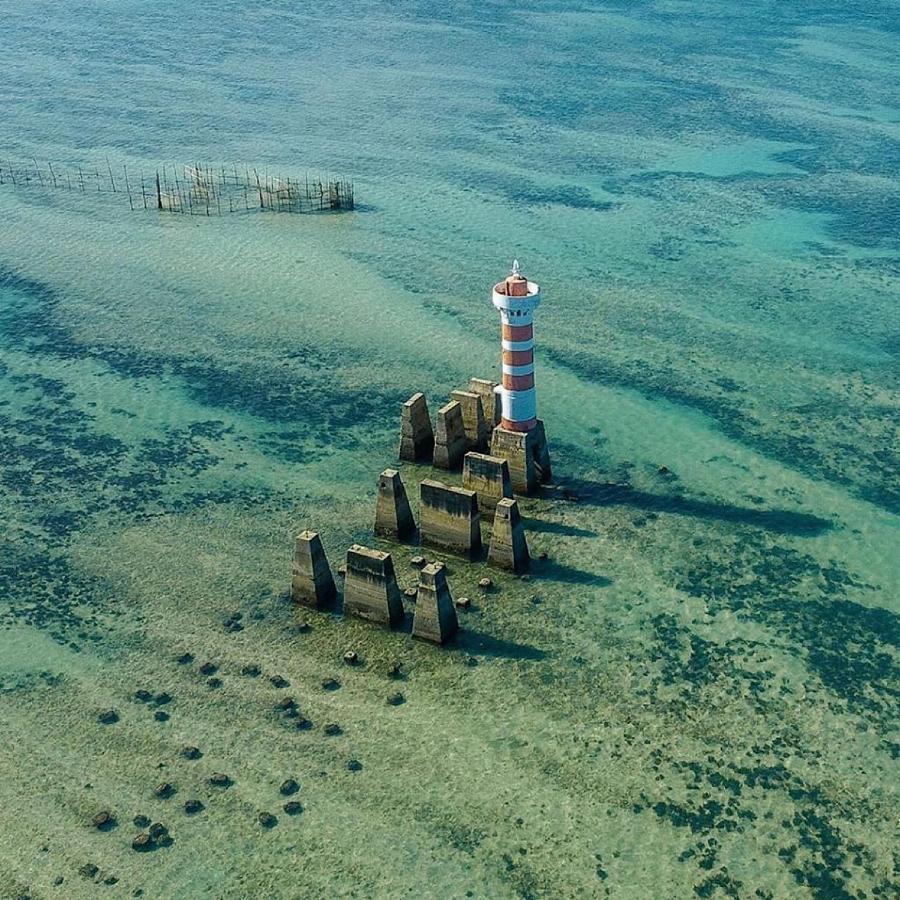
(520,437)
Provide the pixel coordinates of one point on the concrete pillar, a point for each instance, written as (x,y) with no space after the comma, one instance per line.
(449,437)
(527,454)
(448,518)
(416,436)
(393,517)
(370,587)
(509,549)
(435,617)
(312,583)
(474,425)
(487,390)
(488,476)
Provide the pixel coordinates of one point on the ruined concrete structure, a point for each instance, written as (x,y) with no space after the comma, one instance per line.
(416,435)
(370,587)
(393,517)
(449,437)
(508,548)
(489,477)
(435,617)
(527,454)
(312,583)
(520,437)
(487,390)
(474,425)
(448,518)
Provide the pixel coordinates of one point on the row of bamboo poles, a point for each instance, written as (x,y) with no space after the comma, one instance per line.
(198,190)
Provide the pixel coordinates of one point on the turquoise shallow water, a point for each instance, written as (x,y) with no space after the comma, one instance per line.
(696,693)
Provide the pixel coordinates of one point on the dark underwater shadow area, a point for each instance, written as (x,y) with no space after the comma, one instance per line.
(480,644)
(780,521)
(557,528)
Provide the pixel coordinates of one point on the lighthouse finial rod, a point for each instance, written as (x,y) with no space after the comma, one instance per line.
(515,267)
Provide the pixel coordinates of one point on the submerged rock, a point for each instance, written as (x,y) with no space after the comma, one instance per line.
(141,821)
(160,834)
(219,779)
(267,820)
(89,870)
(332,729)
(161,715)
(107,717)
(289,787)
(209,668)
(185,659)
(396,699)
(293,807)
(189,752)
(143,842)
(354,765)
(192,807)
(330,684)
(252,670)
(351,657)
(164,790)
(279,682)
(104,820)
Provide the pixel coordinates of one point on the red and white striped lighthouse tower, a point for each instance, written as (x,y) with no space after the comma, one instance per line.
(519,437)
(517,298)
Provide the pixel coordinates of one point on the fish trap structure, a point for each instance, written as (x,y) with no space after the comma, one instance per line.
(196,190)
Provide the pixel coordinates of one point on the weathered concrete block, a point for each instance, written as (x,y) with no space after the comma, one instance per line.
(311,580)
(393,517)
(416,435)
(490,402)
(449,437)
(448,518)
(370,587)
(509,549)
(435,616)
(527,454)
(476,430)
(488,476)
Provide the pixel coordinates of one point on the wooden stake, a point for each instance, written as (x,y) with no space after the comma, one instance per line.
(128,187)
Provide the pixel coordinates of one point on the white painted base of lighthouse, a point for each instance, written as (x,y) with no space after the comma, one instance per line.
(527,455)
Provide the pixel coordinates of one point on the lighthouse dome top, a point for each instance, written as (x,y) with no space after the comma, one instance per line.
(516,290)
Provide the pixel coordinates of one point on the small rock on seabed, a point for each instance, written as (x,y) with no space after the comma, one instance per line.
(104,820)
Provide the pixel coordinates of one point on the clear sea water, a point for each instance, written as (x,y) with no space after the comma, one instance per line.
(696,694)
